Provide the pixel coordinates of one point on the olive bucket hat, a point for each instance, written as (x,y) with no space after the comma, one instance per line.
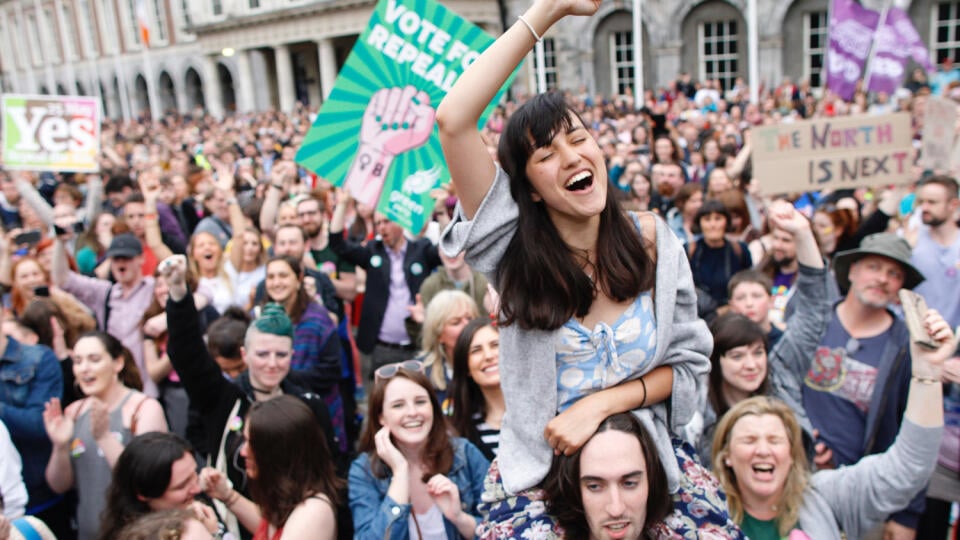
(886,245)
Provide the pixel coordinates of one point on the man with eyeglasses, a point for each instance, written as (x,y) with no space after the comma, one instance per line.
(313,219)
(855,391)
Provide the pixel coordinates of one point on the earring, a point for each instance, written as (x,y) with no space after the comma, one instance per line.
(727,463)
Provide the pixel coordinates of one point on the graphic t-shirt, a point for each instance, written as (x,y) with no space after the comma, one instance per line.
(780,294)
(839,386)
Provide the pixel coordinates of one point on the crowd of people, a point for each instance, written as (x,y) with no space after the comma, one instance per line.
(207,341)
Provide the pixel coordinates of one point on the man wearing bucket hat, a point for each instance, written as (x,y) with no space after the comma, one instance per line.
(855,391)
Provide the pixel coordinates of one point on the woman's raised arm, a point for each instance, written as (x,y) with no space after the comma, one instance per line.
(471,168)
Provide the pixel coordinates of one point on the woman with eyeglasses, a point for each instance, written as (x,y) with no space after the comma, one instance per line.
(267,352)
(412,480)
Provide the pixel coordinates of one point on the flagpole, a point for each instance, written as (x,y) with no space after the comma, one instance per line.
(868,69)
(541,69)
(825,69)
(638,101)
(753,53)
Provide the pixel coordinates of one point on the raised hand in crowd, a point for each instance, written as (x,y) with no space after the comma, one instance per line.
(174,271)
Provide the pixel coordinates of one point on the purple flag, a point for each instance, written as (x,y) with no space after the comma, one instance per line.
(851,34)
(896,41)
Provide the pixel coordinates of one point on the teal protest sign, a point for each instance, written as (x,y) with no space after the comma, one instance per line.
(376,135)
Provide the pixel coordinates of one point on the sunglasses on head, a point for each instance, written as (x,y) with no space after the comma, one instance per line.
(389,370)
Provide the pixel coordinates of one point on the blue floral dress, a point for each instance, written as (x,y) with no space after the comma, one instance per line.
(589,361)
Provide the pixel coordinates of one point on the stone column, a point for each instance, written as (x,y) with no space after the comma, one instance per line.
(328,66)
(246,100)
(771,61)
(287,95)
(212,93)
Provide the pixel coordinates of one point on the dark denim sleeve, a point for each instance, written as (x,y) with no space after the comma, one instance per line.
(375,515)
(29,384)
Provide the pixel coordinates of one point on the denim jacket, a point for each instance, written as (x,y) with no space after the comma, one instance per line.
(375,515)
(29,376)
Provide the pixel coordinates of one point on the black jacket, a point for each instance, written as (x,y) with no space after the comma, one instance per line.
(419,262)
(222,403)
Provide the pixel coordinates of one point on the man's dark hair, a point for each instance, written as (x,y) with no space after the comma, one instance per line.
(117,183)
(225,335)
(563,489)
(135,197)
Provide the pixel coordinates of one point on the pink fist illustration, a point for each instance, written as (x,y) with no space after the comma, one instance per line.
(396,120)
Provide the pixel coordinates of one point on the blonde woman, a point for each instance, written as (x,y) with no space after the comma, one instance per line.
(759,459)
(207,263)
(444,318)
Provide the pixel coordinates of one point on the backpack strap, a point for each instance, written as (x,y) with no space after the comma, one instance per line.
(106,308)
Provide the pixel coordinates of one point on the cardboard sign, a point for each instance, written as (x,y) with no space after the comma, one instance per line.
(51,133)
(376,135)
(835,153)
(939,122)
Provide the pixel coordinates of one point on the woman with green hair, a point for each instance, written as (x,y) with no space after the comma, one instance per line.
(267,351)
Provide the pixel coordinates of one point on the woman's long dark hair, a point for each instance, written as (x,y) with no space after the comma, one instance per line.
(142,470)
(302,299)
(563,487)
(466,394)
(291,455)
(542,284)
(437,456)
(732,330)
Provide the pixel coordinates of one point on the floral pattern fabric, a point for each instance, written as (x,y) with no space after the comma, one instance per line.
(700,508)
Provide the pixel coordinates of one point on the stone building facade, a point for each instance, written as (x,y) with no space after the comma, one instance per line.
(246,55)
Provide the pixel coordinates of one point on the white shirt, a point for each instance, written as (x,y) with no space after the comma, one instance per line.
(11,480)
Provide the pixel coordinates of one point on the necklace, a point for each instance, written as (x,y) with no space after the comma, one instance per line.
(586,264)
(275,392)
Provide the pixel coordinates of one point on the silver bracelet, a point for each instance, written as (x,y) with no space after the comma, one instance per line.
(536,36)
